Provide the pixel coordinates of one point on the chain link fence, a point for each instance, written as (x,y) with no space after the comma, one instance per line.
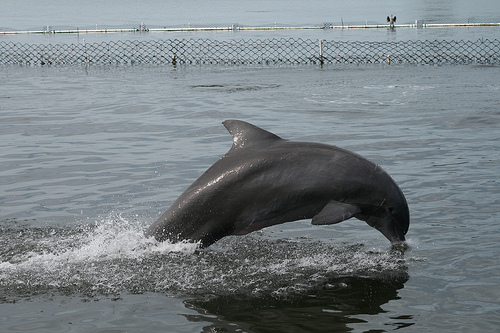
(267,52)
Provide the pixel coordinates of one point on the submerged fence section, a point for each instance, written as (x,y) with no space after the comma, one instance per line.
(267,51)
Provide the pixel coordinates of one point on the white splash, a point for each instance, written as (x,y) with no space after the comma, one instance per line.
(114,237)
(113,256)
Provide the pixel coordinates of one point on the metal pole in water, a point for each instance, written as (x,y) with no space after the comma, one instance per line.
(321,51)
(85,54)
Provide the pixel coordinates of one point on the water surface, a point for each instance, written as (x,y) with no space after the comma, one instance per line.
(90,157)
(64,14)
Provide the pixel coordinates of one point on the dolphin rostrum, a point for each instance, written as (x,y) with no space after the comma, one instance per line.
(264,180)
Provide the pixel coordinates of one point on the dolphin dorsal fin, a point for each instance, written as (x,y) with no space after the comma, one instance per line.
(245,134)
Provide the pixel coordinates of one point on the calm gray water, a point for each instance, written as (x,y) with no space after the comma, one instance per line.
(32,13)
(65,14)
(89,157)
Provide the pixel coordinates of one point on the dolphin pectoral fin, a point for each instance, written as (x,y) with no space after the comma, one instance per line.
(335,212)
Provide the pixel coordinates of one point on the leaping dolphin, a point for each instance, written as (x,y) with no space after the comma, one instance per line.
(264,180)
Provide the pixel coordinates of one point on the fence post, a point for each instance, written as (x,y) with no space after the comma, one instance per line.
(321,51)
(85,54)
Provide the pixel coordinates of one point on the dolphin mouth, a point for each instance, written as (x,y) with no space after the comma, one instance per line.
(391,230)
(396,237)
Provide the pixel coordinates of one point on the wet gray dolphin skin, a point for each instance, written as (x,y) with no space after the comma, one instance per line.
(264,180)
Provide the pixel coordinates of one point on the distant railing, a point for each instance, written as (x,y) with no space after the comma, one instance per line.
(266,51)
(337,24)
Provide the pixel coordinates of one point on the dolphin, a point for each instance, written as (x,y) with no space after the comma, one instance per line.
(265,180)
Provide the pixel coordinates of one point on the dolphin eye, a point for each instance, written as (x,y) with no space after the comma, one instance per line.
(391,210)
